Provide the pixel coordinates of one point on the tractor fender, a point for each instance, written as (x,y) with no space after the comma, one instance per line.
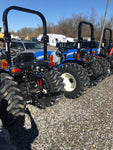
(70,60)
(56,58)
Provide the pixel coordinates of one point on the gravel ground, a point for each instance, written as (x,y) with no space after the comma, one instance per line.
(85,123)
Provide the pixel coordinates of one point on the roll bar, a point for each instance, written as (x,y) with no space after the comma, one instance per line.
(110,37)
(7,36)
(80,32)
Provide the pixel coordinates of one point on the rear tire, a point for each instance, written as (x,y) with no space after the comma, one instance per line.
(75,79)
(11,101)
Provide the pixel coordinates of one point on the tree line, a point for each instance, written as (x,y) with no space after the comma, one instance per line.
(69,26)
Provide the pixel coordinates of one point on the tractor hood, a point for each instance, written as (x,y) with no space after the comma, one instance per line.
(40,54)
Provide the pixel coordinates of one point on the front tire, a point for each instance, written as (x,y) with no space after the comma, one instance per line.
(53,88)
(75,79)
(110,60)
(105,66)
(96,68)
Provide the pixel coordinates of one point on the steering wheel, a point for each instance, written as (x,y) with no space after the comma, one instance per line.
(13,53)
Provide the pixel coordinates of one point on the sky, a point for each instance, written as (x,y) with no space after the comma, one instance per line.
(53,10)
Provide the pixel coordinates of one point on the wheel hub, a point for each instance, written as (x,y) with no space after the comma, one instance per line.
(108,71)
(69,81)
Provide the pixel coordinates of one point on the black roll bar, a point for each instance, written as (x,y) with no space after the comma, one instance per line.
(110,37)
(7,36)
(80,32)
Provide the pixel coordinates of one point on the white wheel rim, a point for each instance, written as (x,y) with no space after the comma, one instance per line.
(69,81)
(109,71)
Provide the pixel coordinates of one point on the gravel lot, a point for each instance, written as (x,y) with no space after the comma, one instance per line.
(85,123)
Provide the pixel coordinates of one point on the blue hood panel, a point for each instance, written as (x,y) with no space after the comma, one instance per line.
(40,55)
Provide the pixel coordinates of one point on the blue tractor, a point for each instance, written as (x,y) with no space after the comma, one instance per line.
(107,49)
(103,55)
(79,68)
(25,79)
(79,56)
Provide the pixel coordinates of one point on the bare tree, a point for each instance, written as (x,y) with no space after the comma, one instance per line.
(69,26)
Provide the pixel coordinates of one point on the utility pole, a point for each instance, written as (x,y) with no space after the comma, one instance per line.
(103,26)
